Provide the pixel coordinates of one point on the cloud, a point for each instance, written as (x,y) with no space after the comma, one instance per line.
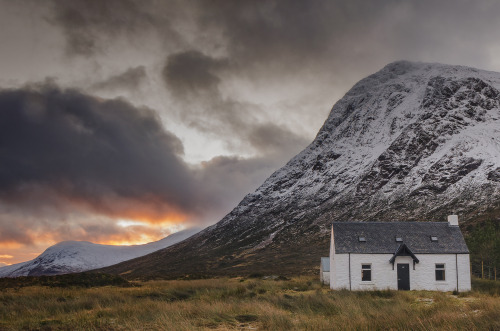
(73,165)
(230,178)
(276,30)
(283,35)
(13,234)
(27,228)
(102,154)
(194,78)
(90,26)
(225,59)
(277,39)
(192,72)
(131,79)
(26,232)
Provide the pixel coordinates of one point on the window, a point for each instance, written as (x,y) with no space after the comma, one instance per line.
(433,238)
(399,239)
(366,272)
(440,272)
(362,239)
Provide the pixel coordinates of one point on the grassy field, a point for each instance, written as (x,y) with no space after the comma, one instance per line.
(236,303)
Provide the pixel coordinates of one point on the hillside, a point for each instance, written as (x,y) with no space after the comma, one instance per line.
(414,141)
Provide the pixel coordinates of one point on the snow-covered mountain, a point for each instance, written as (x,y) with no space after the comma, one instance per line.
(414,141)
(77,256)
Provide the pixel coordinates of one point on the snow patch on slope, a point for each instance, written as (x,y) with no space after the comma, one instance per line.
(407,141)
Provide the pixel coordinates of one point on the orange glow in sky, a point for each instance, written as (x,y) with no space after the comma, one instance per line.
(131,231)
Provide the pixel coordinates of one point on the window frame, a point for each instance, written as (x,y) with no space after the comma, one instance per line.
(369,269)
(440,269)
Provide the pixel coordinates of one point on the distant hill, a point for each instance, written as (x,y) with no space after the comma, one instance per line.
(77,256)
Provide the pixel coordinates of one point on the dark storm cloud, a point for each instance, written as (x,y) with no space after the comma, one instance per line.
(72,164)
(291,35)
(282,39)
(89,150)
(252,29)
(89,25)
(192,72)
(318,45)
(268,30)
(194,79)
(279,37)
(63,151)
(131,79)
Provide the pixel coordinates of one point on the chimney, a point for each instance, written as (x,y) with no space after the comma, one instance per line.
(453,220)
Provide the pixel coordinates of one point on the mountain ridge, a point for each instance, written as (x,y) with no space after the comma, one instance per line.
(414,141)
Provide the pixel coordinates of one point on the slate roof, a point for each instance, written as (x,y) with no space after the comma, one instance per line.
(325,262)
(381,237)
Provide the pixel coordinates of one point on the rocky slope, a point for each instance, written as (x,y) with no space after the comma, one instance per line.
(414,141)
(77,256)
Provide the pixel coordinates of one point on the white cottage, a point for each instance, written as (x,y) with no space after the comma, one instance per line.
(399,255)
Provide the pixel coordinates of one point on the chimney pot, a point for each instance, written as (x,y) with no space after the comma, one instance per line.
(453,220)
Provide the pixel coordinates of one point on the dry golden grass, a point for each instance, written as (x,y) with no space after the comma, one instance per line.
(233,304)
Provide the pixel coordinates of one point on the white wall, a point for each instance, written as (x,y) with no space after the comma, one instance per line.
(339,271)
(384,277)
(464,272)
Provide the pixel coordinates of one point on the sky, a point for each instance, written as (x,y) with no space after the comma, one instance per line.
(123,121)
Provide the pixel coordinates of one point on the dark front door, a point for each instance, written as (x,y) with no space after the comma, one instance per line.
(403,276)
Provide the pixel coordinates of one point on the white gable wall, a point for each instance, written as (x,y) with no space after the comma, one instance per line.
(464,282)
(339,271)
(384,277)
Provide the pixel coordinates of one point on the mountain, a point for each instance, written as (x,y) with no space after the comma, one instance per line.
(77,256)
(414,141)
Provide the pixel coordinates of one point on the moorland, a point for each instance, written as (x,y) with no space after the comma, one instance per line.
(104,302)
